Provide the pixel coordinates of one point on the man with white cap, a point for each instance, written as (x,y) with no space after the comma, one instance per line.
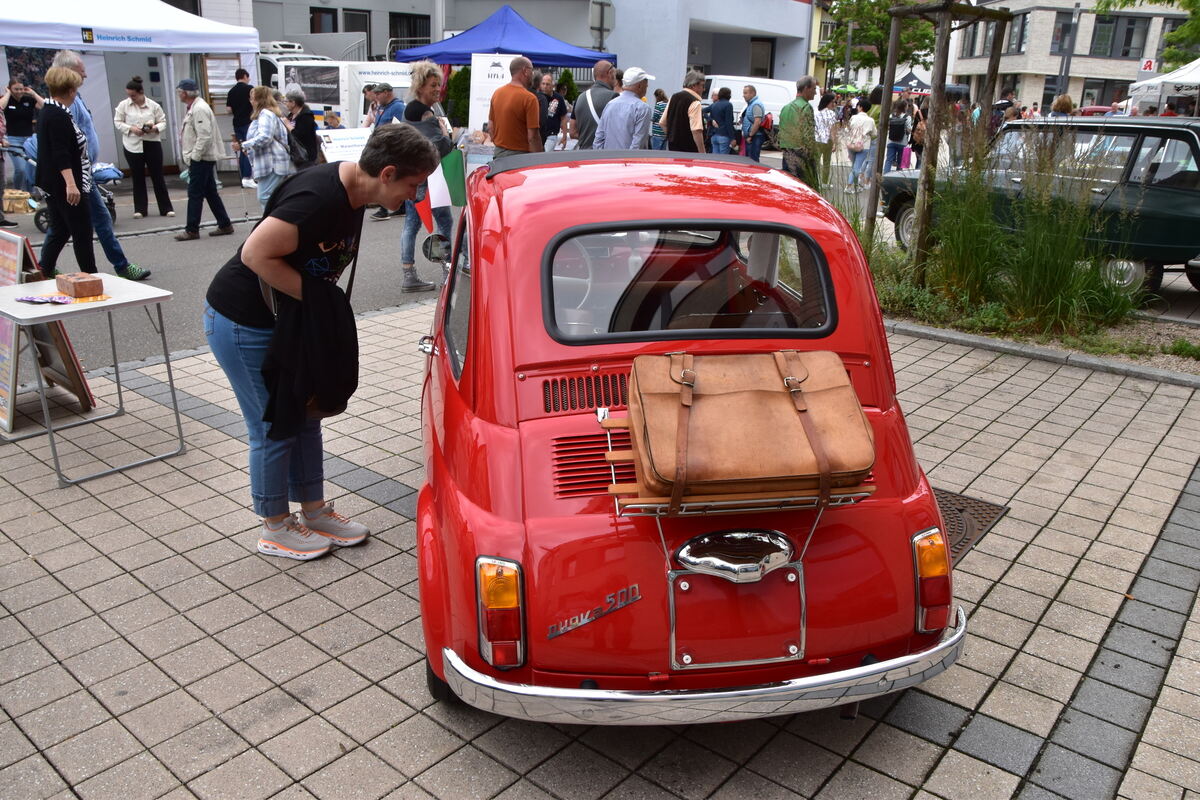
(625,122)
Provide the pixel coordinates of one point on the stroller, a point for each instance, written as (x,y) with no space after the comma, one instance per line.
(102,174)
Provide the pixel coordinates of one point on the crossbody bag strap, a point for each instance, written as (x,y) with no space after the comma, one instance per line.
(794,373)
(683,373)
(592,105)
(357,248)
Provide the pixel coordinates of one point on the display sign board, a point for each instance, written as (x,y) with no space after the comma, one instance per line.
(489,71)
(55,356)
(343,144)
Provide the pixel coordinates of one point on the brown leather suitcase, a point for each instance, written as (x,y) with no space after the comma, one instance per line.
(773,423)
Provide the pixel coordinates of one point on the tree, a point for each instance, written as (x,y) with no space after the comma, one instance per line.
(869,42)
(569,79)
(1183,44)
(458,97)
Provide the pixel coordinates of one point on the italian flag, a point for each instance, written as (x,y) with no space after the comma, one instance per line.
(447,187)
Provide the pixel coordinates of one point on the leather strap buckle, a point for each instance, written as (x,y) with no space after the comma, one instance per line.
(792,383)
(685,379)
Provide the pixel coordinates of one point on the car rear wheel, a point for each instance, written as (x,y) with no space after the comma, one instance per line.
(906,228)
(1193,276)
(1144,275)
(438,689)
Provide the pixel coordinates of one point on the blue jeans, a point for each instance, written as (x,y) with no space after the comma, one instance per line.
(895,150)
(202,186)
(266,187)
(291,469)
(102,225)
(22,170)
(754,145)
(858,164)
(443,220)
(720,144)
(242,132)
(658,143)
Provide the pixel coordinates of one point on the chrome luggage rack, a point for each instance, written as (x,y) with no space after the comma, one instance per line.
(633,500)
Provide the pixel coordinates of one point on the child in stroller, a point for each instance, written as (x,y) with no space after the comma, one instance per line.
(103,173)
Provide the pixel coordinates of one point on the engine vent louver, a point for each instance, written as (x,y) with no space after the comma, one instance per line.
(585,392)
(580,469)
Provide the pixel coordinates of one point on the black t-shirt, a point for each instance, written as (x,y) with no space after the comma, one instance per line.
(554,107)
(415,110)
(238,101)
(315,201)
(20,115)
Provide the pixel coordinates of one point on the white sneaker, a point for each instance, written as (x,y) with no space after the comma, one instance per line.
(170,213)
(249,183)
(290,539)
(336,529)
(137,215)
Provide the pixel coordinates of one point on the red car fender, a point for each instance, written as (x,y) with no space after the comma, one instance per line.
(431,578)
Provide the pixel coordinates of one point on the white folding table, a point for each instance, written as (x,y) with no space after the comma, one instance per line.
(121,293)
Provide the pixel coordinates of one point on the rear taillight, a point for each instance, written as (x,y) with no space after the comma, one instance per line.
(501,626)
(931,561)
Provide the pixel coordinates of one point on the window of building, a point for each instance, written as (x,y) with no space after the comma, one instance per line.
(828,26)
(190,6)
(1119,37)
(1171,25)
(411,30)
(1061,38)
(1018,34)
(1100,92)
(989,33)
(322,20)
(762,58)
(357,21)
(969,36)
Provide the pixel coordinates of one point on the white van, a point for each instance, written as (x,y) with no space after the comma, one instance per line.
(773,94)
(336,86)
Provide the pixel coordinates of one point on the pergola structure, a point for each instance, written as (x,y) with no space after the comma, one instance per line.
(943,15)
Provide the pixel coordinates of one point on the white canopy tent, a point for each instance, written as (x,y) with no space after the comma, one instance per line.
(1183,81)
(129,26)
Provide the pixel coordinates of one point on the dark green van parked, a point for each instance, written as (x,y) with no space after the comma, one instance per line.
(1140,173)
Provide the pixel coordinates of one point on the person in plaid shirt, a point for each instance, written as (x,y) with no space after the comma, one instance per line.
(266,144)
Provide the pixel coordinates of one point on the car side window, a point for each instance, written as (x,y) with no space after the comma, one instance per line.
(458,304)
(1166,162)
(1103,154)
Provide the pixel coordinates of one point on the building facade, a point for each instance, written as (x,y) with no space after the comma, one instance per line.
(1107,53)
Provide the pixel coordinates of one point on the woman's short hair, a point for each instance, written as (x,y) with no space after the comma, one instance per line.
(399,146)
(60,80)
(421,72)
(263,97)
(296,96)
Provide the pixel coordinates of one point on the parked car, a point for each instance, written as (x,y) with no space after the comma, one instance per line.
(773,94)
(541,600)
(1142,179)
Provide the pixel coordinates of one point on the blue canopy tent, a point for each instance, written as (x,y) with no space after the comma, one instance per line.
(506,31)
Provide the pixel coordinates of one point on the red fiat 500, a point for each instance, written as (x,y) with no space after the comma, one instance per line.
(544,600)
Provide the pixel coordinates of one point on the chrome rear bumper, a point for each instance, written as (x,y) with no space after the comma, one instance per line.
(675,707)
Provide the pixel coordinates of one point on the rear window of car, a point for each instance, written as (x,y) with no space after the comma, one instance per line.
(684,281)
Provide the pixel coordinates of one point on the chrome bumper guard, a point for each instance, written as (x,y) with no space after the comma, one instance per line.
(684,706)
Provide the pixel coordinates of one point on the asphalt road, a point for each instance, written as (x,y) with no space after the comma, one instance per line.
(186,268)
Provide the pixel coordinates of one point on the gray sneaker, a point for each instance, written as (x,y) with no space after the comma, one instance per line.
(333,527)
(290,539)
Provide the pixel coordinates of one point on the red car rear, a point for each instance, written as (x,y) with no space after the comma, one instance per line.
(539,599)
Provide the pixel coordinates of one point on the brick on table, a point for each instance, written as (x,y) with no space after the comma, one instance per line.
(369,776)
(468,774)
(579,773)
(247,776)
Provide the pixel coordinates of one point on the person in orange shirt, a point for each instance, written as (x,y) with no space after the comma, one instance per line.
(514,119)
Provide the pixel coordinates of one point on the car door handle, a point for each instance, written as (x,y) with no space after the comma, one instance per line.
(425,345)
(1099,190)
(1015,180)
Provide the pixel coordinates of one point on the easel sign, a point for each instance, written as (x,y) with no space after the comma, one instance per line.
(55,356)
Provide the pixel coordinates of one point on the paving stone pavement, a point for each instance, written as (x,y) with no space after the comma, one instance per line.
(147,650)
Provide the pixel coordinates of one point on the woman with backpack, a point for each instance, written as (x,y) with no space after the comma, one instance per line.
(899,129)
(917,140)
(859,134)
(266,144)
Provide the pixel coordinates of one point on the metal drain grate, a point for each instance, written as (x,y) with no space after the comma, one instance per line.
(967,520)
